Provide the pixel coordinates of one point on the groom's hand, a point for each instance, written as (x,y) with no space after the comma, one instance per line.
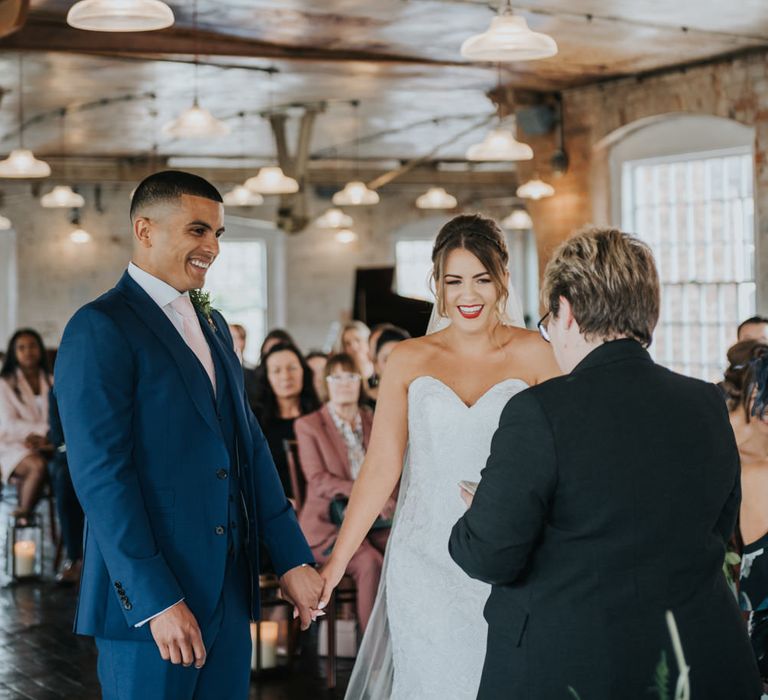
(178,636)
(302,585)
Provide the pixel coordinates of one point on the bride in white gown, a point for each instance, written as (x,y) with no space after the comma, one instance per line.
(440,401)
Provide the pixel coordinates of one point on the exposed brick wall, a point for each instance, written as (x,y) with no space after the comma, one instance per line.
(735,89)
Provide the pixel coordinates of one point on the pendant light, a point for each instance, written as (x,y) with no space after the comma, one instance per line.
(80,236)
(120,15)
(518,220)
(62,197)
(272,180)
(436,198)
(355,194)
(195,122)
(241,196)
(345,236)
(535,189)
(508,39)
(334,218)
(21,163)
(5,223)
(500,144)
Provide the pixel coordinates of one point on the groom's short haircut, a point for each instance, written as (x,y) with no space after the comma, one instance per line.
(170,185)
(610,280)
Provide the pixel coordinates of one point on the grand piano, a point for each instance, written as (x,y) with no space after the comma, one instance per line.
(375,302)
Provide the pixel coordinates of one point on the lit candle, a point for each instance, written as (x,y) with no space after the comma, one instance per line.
(24,556)
(269,631)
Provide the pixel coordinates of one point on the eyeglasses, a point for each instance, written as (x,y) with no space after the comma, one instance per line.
(542,326)
(346,377)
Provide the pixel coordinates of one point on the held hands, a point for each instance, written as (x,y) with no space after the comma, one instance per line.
(178,636)
(332,573)
(302,585)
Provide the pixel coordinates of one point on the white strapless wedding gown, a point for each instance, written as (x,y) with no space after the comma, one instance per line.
(434,611)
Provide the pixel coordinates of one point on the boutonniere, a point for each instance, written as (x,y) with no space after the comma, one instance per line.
(201,300)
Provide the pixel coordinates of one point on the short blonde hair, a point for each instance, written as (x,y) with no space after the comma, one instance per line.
(610,280)
(482,237)
(358,326)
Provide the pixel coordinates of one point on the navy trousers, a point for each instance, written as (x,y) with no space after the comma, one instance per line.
(135,670)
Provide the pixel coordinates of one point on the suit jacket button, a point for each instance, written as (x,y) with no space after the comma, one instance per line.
(118,585)
(220,530)
(222,474)
(128,606)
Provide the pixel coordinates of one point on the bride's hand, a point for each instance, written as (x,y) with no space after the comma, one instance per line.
(331,573)
(466,496)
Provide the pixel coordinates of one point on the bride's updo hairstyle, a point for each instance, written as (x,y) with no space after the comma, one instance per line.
(483,238)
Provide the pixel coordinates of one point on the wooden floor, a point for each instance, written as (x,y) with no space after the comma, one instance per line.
(41,659)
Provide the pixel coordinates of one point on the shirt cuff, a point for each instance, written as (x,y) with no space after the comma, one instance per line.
(144,622)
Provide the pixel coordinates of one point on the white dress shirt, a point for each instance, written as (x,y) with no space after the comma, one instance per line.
(162,294)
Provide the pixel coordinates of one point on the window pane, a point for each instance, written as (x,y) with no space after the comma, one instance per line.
(413,265)
(697,216)
(237,282)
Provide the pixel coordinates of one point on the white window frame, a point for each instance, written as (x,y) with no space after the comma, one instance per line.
(9,285)
(243,229)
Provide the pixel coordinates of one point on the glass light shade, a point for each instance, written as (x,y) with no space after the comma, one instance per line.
(345,236)
(508,39)
(241,196)
(195,123)
(120,15)
(355,194)
(500,145)
(62,197)
(5,223)
(518,220)
(80,236)
(535,189)
(272,180)
(22,163)
(334,218)
(436,198)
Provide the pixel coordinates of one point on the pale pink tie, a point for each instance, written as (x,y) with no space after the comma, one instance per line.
(193,335)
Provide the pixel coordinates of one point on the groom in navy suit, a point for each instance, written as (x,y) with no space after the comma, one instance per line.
(173,472)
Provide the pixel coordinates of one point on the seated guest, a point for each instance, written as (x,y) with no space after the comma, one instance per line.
(275,336)
(250,373)
(332,444)
(755,328)
(68,508)
(607,500)
(388,338)
(25,381)
(317,361)
(284,393)
(353,340)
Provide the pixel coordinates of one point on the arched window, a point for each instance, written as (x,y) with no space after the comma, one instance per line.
(684,184)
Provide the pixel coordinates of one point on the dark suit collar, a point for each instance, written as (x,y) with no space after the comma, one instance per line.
(614,351)
(192,372)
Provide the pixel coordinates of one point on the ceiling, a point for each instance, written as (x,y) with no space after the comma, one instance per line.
(399,58)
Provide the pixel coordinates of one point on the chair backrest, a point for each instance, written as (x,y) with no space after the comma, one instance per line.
(298,482)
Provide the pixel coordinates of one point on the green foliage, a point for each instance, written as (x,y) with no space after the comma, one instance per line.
(661,678)
(201,300)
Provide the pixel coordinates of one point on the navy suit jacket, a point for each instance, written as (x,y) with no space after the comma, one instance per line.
(145,451)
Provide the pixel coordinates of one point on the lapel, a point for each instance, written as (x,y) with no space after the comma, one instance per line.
(219,348)
(192,372)
(336,440)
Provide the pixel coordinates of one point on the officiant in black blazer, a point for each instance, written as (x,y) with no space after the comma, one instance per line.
(608,499)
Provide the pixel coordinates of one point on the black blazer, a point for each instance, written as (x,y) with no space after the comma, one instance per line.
(608,498)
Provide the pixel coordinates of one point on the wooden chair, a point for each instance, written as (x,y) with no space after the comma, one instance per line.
(346,592)
(298,482)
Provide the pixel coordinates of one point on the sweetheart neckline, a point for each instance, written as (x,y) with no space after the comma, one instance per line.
(469,407)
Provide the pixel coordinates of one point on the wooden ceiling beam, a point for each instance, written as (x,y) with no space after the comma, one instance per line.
(49,33)
(106,170)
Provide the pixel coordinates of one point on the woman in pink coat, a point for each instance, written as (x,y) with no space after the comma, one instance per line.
(25,383)
(332,444)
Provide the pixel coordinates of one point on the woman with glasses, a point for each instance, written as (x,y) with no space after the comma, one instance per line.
(332,444)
